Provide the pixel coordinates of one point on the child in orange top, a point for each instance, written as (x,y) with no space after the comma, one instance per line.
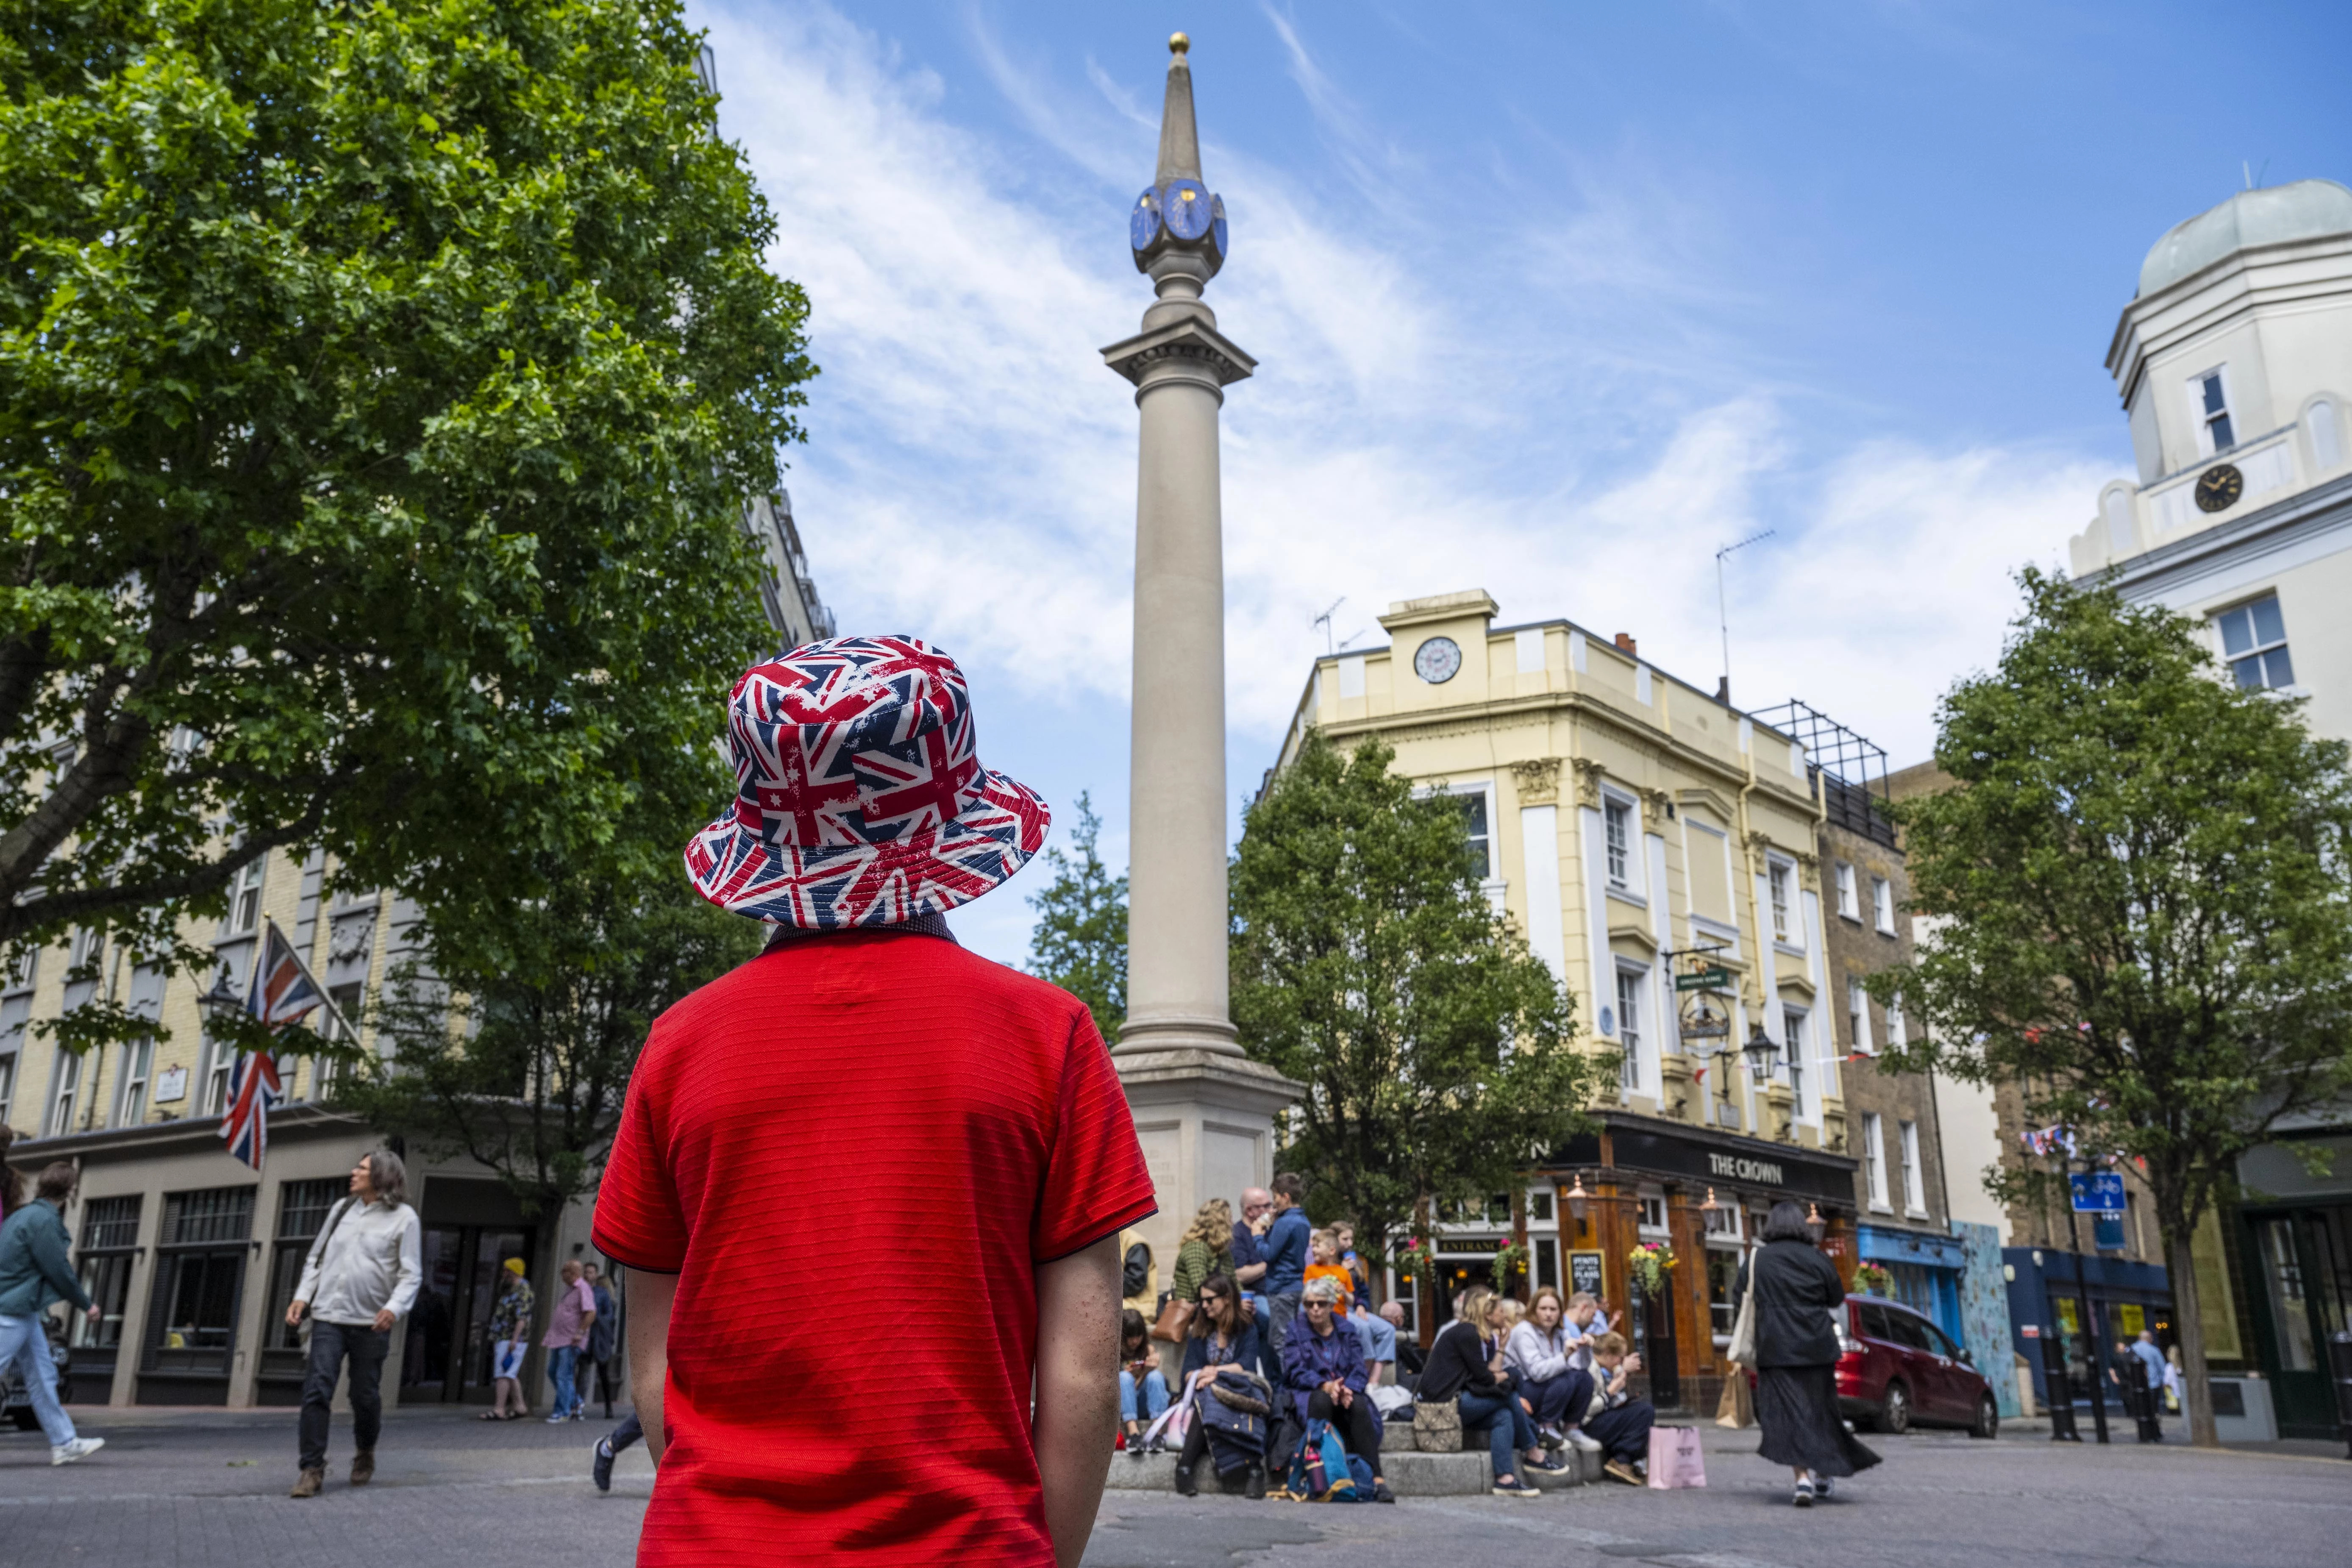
(1323,1250)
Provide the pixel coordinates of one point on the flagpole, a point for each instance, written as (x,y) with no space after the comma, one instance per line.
(326,997)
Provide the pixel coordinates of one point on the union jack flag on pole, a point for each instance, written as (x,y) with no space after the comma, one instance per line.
(281,991)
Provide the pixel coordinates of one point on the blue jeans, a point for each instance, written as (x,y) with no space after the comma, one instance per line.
(1510,1431)
(25,1343)
(1155,1396)
(563,1370)
(1560,1401)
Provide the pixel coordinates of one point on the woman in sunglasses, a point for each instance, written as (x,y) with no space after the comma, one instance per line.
(1223,1335)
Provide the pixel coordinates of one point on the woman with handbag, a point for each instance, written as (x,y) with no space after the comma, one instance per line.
(1465,1369)
(1223,1340)
(1142,1390)
(1788,1294)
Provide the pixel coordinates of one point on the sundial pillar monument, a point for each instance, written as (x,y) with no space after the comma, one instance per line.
(1204,1110)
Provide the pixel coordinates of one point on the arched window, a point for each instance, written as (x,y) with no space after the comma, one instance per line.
(2326,446)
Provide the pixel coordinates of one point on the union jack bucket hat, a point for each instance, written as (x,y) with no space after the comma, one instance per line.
(859,798)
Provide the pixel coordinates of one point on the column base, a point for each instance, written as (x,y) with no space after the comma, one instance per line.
(1205,1119)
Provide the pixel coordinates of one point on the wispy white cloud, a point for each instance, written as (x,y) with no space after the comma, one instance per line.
(1557,411)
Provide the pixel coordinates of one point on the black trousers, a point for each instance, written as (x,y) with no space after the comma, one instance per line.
(1353,1423)
(600,1374)
(331,1344)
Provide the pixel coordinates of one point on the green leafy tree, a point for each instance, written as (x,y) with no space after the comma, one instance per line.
(2141,885)
(510,1037)
(1368,965)
(1079,941)
(379,388)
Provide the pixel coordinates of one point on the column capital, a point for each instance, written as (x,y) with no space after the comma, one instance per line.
(1190,349)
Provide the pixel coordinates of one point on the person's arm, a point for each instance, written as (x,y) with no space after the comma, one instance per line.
(649,1353)
(410,1274)
(1078,1404)
(1249,1274)
(51,1258)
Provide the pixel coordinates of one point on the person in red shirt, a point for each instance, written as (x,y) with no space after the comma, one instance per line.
(864,1097)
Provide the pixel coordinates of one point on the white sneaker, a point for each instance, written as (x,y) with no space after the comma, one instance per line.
(1581,1443)
(80,1448)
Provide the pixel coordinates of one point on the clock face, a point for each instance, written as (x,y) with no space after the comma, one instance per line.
(1437,660)
(2219,488)
(1187,211)
(1143,223)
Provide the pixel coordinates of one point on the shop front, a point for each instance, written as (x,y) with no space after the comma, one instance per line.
(1926,1271)
(1691,1203)
(2088,1304)
(2294,1241)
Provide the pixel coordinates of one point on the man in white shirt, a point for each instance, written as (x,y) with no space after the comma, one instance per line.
(360,1280)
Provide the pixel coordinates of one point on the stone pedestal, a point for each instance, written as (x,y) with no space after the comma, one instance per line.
(1205,1119)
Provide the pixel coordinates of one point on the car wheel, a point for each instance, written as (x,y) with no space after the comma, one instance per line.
(1895,1410)
(1987,1419)
(24,1418)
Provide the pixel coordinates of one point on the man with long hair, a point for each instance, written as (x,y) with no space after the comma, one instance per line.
(360,1279)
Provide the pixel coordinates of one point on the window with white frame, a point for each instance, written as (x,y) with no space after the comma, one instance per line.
(1792,1035)
(131,1092)
(1874,1158)
(1914,1189)
(1898,1034)
(244,898)
(63,1095)
(82,949)
(1779,879)
(8,1085)
(1629,1026)
(22,972)
(1881,905)
(1653,1213)
(219,1062)
(1617,837)
(1849,900)
(1857,1016)
(2253,642)
(1475,828)
(2209,396)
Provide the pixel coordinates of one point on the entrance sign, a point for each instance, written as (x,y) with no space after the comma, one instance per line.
(1704,980)
(1584,1273)
(2097,1191)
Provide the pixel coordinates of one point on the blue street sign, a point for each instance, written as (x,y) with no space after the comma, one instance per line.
(2097,1191)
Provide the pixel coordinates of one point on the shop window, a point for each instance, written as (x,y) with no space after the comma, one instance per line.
(1405,1291)
(302,1208)
(1547,1255)
(199,1280)
(1722,1223)
(1722,1273)
(1539,1205)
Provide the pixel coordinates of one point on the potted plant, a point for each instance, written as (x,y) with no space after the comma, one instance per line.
(1649,1264)
(1870,1280)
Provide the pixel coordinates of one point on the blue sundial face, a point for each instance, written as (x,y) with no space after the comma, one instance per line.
(1217,212)
(1186,205)
(1143,223)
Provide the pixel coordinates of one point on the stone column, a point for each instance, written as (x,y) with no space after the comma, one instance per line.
(1204,1110)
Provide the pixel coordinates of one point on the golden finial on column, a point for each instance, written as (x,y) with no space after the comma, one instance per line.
(1178,43)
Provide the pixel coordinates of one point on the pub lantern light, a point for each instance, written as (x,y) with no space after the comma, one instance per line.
(1578,1198)
(1711,1205)
(1815,1223)
(220,1004)
(1763,1055)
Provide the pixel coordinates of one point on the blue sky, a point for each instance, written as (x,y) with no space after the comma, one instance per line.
(1548,299)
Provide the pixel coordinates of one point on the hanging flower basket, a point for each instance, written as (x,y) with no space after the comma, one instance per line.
(1510,1263)
(1872,1280)
(1649,1265)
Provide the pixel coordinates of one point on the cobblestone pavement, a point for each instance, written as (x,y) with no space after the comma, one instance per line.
(206,1490)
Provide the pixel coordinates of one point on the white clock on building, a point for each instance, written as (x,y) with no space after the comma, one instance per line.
(1437,660)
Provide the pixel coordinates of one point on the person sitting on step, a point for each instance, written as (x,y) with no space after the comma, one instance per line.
(1552,1391)
(1615,1419)
(1139,1378)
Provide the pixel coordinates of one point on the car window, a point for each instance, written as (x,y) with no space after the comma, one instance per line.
(1907,1330)
(1874,1320)
(1940,1341)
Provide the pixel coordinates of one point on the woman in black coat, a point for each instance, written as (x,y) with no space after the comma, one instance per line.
(1797,1290)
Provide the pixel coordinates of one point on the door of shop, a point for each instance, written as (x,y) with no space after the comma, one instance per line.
(2303,1263)
(1653,1319)
(449,1352)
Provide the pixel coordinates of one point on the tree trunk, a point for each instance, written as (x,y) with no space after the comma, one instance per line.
(2198,1399)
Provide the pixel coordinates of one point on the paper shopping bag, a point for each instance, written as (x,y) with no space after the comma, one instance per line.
(1675,1458)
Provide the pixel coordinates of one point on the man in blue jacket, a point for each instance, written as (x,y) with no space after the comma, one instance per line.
(1284,1253)
(33,1273)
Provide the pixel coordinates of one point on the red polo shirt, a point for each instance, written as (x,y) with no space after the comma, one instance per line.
(853,1151)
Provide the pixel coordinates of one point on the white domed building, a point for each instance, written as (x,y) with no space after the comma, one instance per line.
(2234,360)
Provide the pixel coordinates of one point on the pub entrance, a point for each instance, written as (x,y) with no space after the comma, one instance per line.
(470,1230)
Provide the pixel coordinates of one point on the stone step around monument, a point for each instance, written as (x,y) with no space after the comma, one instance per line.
(1409,1474)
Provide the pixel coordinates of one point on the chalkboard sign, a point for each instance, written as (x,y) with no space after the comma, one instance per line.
(1584,1273)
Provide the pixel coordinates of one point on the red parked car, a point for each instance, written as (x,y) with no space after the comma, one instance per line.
(1898,1371)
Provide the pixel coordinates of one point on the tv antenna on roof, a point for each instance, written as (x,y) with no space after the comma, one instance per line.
(2255,175)
(1723,608)
(1324,620)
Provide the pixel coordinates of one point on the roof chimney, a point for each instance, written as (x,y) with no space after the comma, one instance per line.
(1625,641)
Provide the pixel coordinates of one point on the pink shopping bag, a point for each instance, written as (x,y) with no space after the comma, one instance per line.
(1675,1458)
